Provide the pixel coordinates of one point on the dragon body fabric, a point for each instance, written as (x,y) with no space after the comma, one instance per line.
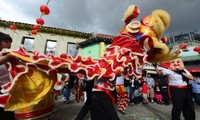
(138,42)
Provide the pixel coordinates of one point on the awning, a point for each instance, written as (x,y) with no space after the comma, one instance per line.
(193,69)
(151,72)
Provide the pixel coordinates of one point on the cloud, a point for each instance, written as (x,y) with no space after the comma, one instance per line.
(102,16)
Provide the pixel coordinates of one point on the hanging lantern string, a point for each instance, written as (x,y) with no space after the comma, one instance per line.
(48,2)
(45,11)
(41,15)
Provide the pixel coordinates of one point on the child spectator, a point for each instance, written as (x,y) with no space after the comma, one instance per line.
(158,95)
(144,92)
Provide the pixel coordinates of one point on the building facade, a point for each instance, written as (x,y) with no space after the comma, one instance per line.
(47,40)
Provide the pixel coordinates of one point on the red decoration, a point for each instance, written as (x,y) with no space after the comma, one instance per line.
(40,21)
(59,83)
(34,32)
(197,49)
(63,55)
(165,64)
(164,39)
(12,27)
(183,46)
(44,9)
(79,76)
(36,27)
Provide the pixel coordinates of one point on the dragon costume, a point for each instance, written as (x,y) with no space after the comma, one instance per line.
(34,75)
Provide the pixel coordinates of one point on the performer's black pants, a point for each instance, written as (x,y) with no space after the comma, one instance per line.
(182,101)
(86,107)
(102,107)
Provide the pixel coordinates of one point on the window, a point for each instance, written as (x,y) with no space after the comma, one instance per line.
(72,49)
(28,43)
(50,46)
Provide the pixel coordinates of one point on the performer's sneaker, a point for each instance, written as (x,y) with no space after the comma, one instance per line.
(131,104)
(152,101)
(121,111)
(140,103)
(66,101)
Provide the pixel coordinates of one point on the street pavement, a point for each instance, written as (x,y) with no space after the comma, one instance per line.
(150,111)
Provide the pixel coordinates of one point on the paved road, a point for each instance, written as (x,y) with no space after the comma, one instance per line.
(149,111)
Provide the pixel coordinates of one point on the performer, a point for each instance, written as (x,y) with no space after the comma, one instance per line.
(180,94)
(29,93)
(85,85)
(5,42)
(102,101)
(122,94)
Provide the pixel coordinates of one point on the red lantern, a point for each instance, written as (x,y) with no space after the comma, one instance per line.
(12,27)
(183,46)
(36,27)
(44,9)
(34,32)
(40,21)
(164,39)
(197,49)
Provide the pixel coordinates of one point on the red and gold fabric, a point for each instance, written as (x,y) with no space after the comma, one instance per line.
(29,91)
(40,111)
(120,89)
(122,97)
(36,73)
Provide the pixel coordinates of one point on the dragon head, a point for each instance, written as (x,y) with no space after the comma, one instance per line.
(148,32)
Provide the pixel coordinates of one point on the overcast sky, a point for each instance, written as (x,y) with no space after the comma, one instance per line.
(101,16)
